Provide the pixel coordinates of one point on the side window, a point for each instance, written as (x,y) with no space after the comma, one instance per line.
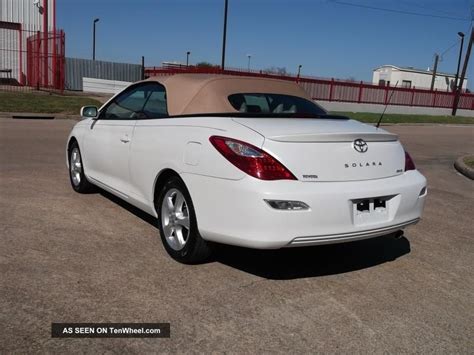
(156,104)
(146,100)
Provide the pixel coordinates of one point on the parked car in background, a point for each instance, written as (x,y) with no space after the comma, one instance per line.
(244,161)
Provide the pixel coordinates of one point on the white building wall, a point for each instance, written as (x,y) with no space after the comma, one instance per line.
(418,80)
(28,15)
(9,59)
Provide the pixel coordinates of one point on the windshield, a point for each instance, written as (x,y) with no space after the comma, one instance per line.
(275,104)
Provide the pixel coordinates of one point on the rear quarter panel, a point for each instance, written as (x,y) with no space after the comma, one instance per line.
(182,144)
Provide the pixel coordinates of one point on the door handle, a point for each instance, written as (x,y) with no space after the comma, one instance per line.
(125,139)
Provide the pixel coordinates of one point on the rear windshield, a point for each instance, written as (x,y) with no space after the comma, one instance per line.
(275,104)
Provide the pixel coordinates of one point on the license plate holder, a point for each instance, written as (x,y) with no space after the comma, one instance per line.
(371,210)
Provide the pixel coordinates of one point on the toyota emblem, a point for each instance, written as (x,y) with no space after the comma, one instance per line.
(360,145)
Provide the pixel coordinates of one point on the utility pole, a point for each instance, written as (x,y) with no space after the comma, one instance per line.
(224,34)
(460,34)
(463,73)
(435,68)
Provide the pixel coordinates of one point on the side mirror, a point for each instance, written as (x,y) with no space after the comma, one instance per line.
(89,112)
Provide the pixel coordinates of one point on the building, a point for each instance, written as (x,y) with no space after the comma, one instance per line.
(413,78)
(29,13)
(30,44)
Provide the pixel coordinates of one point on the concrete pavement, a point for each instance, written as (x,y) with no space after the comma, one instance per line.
(66,257)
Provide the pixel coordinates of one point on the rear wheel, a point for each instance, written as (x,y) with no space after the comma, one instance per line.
(76,171)
(178,226)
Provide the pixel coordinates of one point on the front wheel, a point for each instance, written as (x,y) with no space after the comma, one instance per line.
(178,226)
(76,171)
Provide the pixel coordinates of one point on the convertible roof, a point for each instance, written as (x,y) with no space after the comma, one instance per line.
(208,93)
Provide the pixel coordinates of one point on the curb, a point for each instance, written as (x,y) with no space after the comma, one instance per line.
(461,167)
(38,116)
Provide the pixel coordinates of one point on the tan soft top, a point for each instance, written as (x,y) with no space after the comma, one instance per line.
(207,93)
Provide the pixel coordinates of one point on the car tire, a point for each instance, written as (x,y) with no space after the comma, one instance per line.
(178,226)
(77,177)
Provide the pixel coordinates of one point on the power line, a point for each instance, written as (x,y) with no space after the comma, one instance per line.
(453,45)
(424,7)
(399,11)
(449,48)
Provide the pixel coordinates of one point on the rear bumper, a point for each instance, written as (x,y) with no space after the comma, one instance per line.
(234,212)
(349,237)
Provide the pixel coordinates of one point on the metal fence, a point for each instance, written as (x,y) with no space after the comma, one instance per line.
(342,91)
(31,60)
(77,69)
(332,90)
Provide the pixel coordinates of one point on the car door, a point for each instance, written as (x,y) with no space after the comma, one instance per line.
(147,150)
(108,141)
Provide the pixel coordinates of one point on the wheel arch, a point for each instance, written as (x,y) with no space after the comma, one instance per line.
(70,142)
(161,178)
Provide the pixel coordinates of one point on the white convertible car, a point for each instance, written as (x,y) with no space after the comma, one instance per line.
(245,161)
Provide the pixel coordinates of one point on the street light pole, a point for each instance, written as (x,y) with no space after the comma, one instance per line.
(248,63)
(460,34)
(93,39)
(299,72)
(187,58)
(224,34)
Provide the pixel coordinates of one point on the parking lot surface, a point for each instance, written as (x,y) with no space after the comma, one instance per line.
(66,257)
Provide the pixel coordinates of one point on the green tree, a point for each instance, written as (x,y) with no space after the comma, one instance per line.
(206,65)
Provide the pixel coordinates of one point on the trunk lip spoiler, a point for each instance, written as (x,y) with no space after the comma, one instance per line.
(334,137)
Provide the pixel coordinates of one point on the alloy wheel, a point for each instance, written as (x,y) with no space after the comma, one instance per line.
(175,219)
(75,166)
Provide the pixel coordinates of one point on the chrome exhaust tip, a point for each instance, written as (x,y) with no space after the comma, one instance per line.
(398,234)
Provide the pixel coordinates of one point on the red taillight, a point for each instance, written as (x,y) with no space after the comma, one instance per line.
(409,164)
(251,159)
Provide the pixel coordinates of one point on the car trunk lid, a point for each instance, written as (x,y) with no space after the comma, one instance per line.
(327,149)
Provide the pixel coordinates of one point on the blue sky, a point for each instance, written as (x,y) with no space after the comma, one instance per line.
(328,38)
